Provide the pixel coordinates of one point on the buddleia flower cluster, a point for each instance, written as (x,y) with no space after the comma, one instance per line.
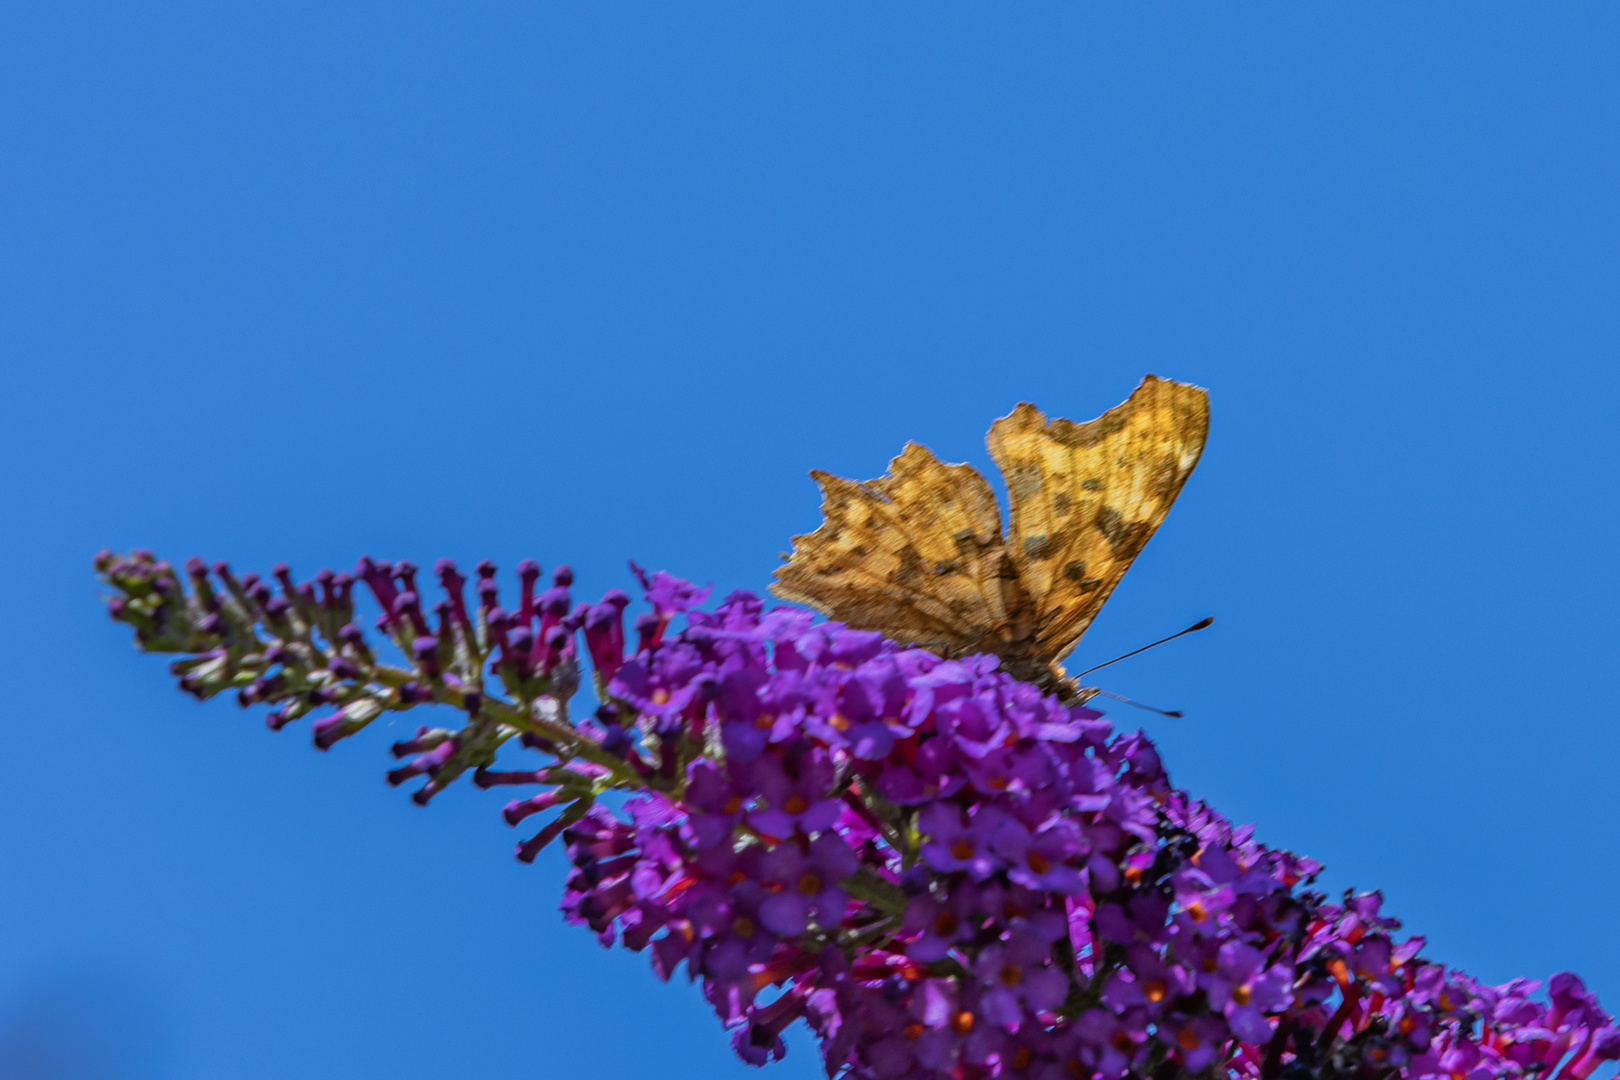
(946,874)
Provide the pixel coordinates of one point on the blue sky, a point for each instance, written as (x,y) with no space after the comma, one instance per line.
(595,282)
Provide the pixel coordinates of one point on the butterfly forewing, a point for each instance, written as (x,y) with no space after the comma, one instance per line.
(1084,498)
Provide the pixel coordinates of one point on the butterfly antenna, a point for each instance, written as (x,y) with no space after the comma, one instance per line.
(1199,625)
(1162,712)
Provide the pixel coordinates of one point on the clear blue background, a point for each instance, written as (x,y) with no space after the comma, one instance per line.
(588,282)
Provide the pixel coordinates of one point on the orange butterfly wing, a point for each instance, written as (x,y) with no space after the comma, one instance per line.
(1085,498)
(916,553)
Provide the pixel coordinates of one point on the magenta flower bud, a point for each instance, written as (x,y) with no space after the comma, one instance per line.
(1605,1046)
(408,606)
(379,578)
(556,645)
(553,606)
(518,651)
(488,778)
(495,619)
(518,809)
(425,649)
(528,849)
(528,574)
(426,739)
(405,571)
(453,584)
(649,628)
(330,729)
(604,638)
(427,764)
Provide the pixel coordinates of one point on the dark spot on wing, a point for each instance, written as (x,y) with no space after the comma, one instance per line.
(1124,537)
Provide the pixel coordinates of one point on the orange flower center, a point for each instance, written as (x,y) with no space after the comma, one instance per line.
(945,924)
(1011,975)
(962,1022)
(1037,862)
(1155,990)
(1187,1039)
(795,804)
(810,884)
(962,849)
(743,926)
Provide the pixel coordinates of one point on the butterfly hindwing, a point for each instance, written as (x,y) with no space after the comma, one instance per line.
(916,553)
(1085,498)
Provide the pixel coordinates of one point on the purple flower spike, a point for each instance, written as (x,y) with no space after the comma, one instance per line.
(947,874)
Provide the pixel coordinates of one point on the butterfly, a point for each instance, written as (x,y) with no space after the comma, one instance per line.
(919,555)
